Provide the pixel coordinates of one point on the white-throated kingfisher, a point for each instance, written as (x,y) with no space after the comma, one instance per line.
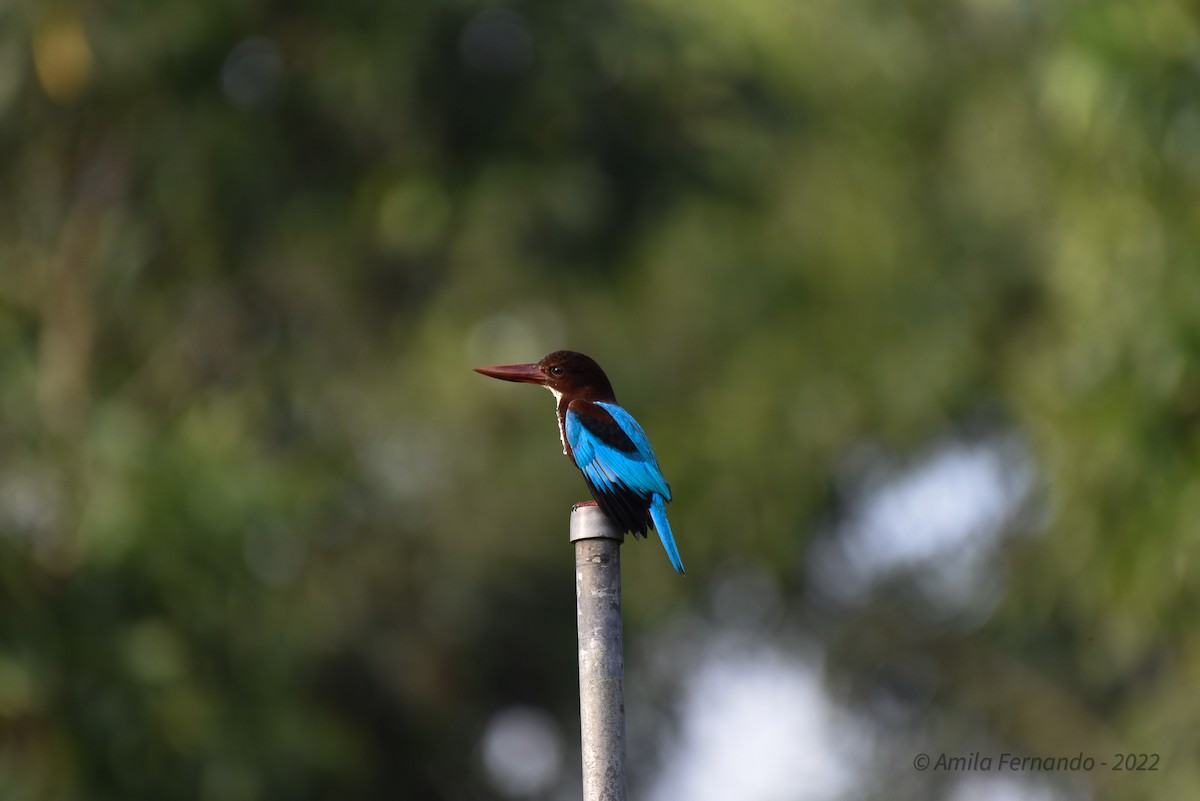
(604,441)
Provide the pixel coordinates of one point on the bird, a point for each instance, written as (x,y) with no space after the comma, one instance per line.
(603,441)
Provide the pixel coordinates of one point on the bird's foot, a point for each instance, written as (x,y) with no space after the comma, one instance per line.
(583,503)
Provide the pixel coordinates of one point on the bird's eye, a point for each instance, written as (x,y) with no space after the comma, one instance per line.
(556,370)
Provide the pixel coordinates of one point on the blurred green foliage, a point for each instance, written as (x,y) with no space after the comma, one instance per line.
(263,535)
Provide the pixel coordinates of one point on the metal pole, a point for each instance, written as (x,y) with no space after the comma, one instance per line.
(601,661)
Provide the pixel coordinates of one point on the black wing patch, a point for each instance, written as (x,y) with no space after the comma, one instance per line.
(601,424)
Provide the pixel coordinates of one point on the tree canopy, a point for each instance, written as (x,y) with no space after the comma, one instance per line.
(265,536)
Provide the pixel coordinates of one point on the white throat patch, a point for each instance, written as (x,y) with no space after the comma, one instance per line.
(562,434)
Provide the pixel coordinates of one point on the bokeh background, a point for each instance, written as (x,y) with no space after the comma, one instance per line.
(906,295)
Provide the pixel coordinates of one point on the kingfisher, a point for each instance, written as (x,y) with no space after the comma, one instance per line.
(604,441)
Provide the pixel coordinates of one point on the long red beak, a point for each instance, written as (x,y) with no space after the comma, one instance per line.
(522,373)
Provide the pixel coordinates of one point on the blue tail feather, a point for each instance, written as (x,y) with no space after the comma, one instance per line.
(658,513)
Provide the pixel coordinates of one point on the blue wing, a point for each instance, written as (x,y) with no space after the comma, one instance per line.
(612,450)
(616,459)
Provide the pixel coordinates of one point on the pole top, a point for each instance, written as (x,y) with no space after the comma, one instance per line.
(589,523)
